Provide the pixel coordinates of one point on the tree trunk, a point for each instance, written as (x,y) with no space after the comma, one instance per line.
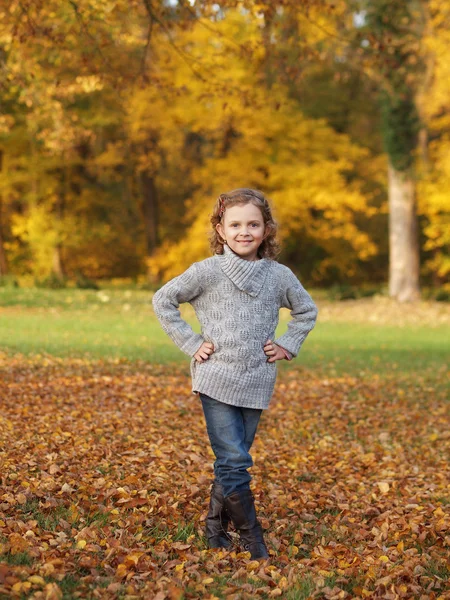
(3,261)
(58,264)
(150,205)
(403,237)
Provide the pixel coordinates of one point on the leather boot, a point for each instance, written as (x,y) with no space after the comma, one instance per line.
(241,508)
(217,520)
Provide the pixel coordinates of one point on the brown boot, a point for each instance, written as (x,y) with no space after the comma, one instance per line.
(241,508)
(217,520)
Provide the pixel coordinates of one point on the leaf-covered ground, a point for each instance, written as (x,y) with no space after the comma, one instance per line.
(105,471)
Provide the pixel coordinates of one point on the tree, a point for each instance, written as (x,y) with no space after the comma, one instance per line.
(394,25)
(260,136)
(384,40)
(434,176)
(123,120)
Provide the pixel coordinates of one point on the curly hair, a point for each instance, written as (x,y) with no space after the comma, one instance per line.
(269,247)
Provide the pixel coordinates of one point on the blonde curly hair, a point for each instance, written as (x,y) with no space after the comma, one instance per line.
(269,247)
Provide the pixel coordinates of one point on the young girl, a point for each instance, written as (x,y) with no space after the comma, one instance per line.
(236,295)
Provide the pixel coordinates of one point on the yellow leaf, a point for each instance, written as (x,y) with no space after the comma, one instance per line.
(73,513)
(132,559)
(18,543)
(283,583)
(400,546)
(326,573)
(383,487)
(207,580)
(47,569)
(121,571)
(36,579)
(81,544)
(52,592)
(384,559)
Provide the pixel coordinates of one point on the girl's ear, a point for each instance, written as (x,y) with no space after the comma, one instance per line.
(220,230)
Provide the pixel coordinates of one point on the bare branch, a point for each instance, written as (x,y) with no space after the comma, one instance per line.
(147,46)
(163,26)
(89,35)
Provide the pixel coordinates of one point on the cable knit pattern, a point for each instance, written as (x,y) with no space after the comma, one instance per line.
(237,303)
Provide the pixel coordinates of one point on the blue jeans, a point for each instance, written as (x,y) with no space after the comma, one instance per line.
(231,431)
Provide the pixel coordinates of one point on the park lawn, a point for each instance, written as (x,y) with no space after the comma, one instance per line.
(105,464)
(120,324)
(105,473)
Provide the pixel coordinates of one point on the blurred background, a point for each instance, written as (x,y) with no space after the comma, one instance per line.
(122,120)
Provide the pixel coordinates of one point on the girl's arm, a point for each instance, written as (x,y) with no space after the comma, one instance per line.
(166,301)
(303,313)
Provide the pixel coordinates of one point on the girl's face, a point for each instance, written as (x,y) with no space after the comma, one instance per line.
(242,227)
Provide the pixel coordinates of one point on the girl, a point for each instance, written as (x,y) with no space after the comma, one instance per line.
(236,295)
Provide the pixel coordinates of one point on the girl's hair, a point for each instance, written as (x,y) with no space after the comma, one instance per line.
(269,247)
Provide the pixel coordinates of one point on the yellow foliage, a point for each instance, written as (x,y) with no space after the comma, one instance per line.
(434,183)
(260,139)
(434,203)
(37,230)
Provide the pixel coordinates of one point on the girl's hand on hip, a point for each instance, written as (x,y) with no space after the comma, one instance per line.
(204,352)
(273,351)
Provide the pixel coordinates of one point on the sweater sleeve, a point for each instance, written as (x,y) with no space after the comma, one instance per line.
(303,313)
(166,301)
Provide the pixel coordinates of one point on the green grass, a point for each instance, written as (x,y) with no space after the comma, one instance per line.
(68,585)
(21,558)
(49,520)
(120,324)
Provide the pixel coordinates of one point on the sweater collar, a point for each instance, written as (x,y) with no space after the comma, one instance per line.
(247,275)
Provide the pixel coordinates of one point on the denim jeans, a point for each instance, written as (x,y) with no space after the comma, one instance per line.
(231,431)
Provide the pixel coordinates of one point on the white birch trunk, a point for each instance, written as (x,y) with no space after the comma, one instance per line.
(403,237)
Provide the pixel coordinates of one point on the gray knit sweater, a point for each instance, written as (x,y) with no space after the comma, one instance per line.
(237,303)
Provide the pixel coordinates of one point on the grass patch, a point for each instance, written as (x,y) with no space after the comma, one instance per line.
(438,570)
(302,590)
(20,558)
(156,534)
(100,519)
(120,324)
(184,532)
(68,586)
(48,520)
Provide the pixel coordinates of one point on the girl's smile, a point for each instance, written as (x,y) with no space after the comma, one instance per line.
(243,229)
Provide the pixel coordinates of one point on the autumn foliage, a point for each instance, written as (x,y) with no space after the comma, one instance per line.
(122,122)
(105,474)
